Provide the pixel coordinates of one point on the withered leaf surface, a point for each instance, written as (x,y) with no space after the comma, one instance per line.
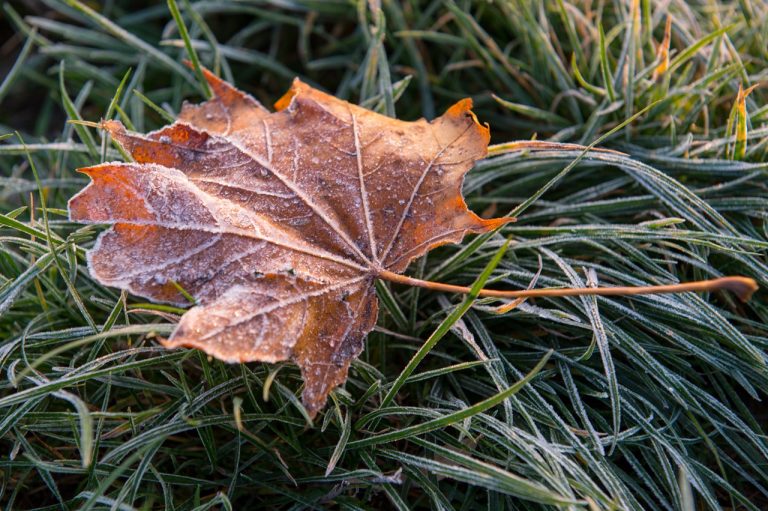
(279,223)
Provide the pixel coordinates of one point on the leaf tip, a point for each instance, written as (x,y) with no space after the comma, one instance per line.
(95,170)
(218,86)
(495,223)
(463,108)
(285,101)
(112,127)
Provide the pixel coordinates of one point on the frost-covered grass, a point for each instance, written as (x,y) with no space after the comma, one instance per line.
(652,402)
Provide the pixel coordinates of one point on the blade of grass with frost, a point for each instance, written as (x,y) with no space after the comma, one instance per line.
(434,373)
(113,105)
(10,293)
(605,65)
(12,223)
(73,114)
(386,89)
(104,334)
(43,471)
(742,119)
(472,471)
(445,326)
(16,149)
(182,28)
(603,346)
(632,45)
(118,471)
(570,30)
(218,62)
(530,111)
(341,446)
(52,247)
(151,104)
(390,304)
(394,497)
(17,65)
(396,18)
(86,426)
(453,417)
(692,50)
(593,89)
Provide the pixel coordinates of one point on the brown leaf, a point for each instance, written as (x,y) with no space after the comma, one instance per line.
(279,223)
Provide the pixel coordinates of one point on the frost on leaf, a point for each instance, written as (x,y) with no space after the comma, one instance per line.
(279,223)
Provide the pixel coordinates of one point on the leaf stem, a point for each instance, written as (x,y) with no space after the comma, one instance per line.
(743,287)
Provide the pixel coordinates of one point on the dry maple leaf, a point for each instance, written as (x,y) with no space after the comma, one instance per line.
(279,223)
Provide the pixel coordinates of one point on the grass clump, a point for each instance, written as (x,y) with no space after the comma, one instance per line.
(653,402)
